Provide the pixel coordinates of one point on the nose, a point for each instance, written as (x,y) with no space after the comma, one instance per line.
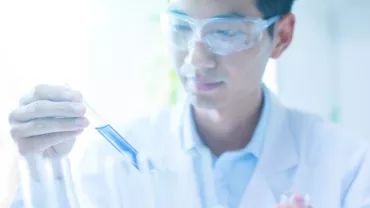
(199,56)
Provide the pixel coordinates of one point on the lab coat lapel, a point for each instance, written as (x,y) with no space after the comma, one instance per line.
(274,173)
(258,194)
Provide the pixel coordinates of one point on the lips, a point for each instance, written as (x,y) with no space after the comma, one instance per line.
(204,86)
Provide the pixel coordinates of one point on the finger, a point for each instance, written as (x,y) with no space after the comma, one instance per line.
(38,144)
(297,198)
(283,206)
(52,93)
(63,148)
(45,108)
(299,201)
(291,206)
(47,126)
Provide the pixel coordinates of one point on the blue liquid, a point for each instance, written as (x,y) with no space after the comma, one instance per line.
(121,145)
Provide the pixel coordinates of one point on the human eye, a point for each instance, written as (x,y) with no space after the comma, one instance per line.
(228,33)
(180,27)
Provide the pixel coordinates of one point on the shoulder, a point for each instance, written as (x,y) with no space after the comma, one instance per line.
(317,139)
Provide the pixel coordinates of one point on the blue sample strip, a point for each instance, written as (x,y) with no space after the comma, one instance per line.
(113,137)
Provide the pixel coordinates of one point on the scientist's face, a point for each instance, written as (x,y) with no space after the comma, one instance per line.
(216,65)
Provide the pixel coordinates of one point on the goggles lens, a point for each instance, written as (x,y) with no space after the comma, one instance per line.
(221,36)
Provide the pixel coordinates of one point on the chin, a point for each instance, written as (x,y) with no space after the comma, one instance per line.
(204,102)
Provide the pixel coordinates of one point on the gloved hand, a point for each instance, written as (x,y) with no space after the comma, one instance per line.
(48,120)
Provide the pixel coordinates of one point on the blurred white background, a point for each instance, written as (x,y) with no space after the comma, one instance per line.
(112,50)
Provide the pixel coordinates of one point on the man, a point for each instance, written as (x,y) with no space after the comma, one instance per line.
(260,148)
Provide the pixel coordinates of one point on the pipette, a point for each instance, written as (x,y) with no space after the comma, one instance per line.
(113,137)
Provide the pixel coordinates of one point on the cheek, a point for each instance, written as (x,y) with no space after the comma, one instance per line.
(242,65)
(245,69)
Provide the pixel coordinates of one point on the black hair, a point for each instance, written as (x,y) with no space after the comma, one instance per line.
(271,8)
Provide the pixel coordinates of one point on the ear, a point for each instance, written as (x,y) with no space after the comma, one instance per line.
(283,35)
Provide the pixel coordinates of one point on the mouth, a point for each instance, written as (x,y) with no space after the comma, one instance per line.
(204,86)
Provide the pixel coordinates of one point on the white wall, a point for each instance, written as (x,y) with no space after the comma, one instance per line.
(304,70)
(328,63)
(354,59)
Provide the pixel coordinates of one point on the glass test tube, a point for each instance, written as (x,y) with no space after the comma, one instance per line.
(47,182)
(112,136)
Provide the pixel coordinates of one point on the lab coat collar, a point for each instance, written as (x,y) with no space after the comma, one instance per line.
(279,150)
(278,160)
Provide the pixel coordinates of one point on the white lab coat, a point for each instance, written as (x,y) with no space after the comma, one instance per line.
(301,153)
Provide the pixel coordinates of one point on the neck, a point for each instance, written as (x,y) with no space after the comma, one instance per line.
(232,127)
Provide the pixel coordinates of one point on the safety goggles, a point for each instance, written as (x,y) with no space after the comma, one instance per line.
(222,36)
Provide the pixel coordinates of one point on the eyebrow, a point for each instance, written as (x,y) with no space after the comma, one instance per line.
(222,16)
